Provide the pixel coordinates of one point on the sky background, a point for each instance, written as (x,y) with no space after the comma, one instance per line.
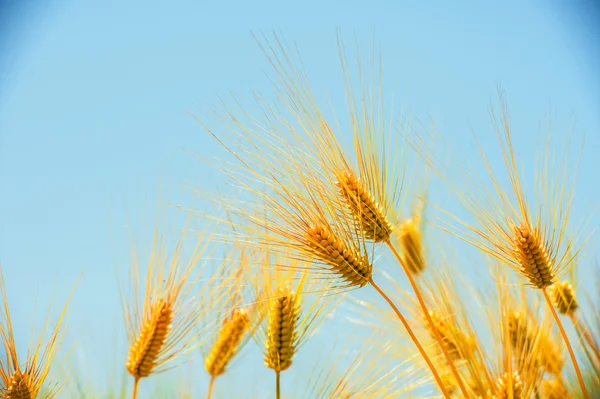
(95,102)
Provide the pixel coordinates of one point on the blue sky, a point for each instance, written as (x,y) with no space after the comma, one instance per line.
(95,100)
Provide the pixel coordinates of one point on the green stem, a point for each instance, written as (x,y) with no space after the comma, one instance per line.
(277,386)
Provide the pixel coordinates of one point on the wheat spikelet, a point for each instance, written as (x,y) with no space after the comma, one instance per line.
(229,338)
(346,261)
(21,386)
(533,257)
(144,352)
(563,297)
(282,334)
(366,211)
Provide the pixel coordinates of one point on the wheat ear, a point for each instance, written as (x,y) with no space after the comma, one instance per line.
(151,338)
(367,212)
(228,340)
(282,334)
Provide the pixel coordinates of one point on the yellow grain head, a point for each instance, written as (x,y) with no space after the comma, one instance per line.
(563,296)
(534,260)
(282,330)
(292,308)
(230,336)
(370,216)
(145,350)
(165,304)
(534,344)
(24,379)
(236,318)
(21,386)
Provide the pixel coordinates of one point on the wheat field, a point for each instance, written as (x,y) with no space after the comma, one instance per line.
(350,216)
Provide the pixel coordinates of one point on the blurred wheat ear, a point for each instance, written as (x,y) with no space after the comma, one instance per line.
(236,313)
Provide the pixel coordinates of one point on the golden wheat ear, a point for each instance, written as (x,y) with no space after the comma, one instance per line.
(292,308)
(235,313)
(165,304)
(31,379)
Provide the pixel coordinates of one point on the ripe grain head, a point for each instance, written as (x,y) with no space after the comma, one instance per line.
(292,308)
(227,343)
(232,316)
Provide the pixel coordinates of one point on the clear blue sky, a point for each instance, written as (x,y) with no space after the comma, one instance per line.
(94,101)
